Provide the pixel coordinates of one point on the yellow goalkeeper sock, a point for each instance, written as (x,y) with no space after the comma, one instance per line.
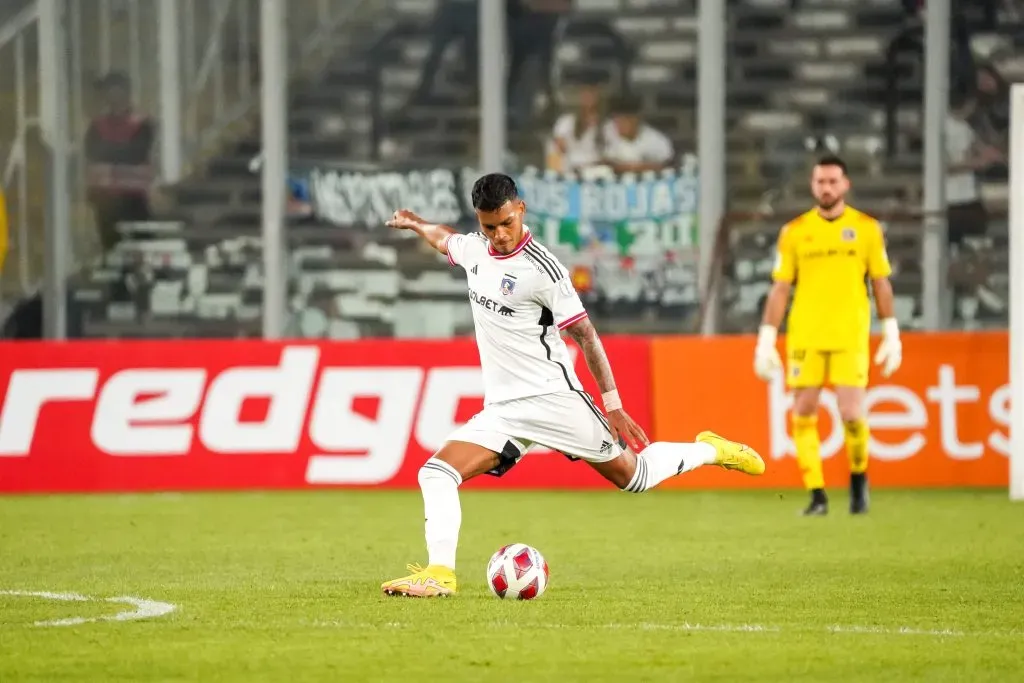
(857,434)
(808,450)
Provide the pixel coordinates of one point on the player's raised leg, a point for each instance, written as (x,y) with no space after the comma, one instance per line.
(662,460)
(439,479)
(658,461)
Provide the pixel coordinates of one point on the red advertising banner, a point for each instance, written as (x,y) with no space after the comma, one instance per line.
(146,416)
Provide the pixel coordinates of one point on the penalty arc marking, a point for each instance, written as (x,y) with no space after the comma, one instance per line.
(141,607)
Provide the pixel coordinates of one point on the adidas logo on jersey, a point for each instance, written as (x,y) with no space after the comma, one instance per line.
(605,446)
(473,269)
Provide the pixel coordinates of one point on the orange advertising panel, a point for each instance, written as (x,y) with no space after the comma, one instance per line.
(941,420)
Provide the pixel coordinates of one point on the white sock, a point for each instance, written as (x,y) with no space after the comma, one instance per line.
(664,459)
(440,485)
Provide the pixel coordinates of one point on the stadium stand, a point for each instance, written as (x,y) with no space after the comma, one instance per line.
(799,80)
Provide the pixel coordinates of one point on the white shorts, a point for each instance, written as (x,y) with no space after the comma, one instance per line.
(567,422)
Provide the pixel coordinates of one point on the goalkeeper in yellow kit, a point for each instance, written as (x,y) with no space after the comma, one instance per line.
(826,257)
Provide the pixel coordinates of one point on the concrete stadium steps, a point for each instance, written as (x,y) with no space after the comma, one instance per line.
(814,72)
(303,17)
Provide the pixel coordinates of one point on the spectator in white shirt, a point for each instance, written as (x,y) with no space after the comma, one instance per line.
(633,146)
(965,156)
(965,213)
(578,138)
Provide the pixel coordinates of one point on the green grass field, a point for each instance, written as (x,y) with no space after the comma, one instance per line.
(664,587)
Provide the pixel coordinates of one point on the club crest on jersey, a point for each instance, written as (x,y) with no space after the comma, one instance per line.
(849,235)
(508,284)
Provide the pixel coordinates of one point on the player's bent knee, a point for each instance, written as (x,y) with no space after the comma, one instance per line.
(851,403)
(434,470)
(805,402)
(620,471)
(468,459)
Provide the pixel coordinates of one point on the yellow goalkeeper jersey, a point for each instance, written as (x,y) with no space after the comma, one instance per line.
(829,262)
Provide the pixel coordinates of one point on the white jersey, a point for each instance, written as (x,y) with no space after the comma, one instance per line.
(520,301)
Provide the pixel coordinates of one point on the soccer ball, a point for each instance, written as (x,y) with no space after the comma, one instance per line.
(517,571)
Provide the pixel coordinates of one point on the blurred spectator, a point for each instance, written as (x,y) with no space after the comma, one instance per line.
(991,117)
(966,156)
(25,319)
(966,216)
(578,137)
(118,144)
(454,21)
(596,30)
(632,145)
(910,40)
(533,26)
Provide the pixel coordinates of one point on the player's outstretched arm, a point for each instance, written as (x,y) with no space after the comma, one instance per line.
(435,234)
(621,424)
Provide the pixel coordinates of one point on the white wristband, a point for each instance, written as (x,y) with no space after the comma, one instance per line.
(611,400)
(767,335)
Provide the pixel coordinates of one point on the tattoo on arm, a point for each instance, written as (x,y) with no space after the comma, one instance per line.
(585,335)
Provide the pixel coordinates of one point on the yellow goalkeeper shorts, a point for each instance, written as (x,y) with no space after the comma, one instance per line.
(813,368)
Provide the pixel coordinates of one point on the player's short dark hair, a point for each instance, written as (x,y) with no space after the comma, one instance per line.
(490,192)
(832,160)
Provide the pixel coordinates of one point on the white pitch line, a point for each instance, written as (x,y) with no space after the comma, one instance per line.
(905,631)
(49,595)
(143,608)
(719,628)
(727,628)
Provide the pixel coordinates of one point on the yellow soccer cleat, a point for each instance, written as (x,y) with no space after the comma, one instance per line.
(433,581)
(732,455)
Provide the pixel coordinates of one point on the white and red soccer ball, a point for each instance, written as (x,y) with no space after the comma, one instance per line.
(517,572)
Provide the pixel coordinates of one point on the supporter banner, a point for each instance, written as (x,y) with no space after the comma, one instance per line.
(631,212)
(145,416)
(356,197)
(634,213)
(942,420)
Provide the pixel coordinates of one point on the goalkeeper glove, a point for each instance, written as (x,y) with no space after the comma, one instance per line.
(766,357)
(890,351)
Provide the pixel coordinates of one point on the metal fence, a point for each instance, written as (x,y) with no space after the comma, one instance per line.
(192,67)
(399,103)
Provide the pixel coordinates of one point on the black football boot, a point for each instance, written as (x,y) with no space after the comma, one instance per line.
(859,493)
(819,504)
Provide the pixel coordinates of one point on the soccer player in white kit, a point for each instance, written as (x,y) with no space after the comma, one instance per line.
(522,299)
